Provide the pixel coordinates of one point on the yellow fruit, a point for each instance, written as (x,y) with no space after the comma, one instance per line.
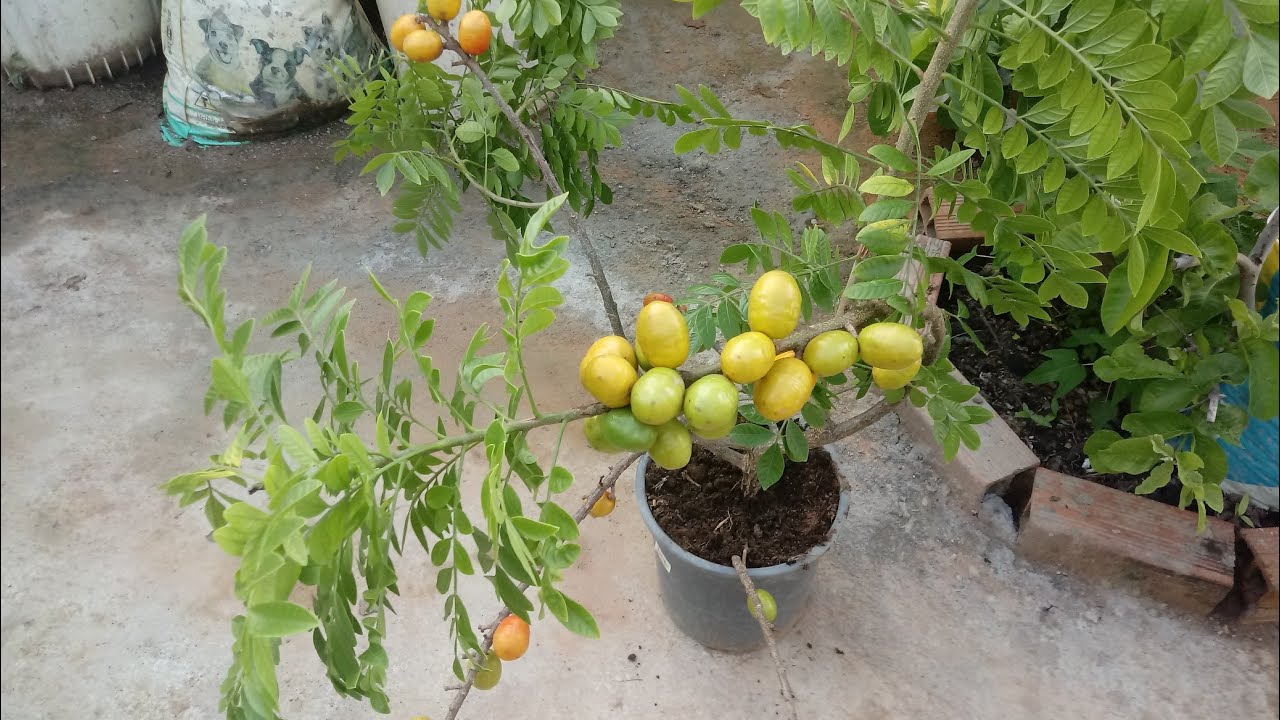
(445,10)
(423,45)
(773,307)
(511,638)
(488,672)
(607,345)
(673,447)
(609,379)
(711,406)
(604,505)
(890,346)
(783,391)
(831,353)
(403,25)
(662,334)
(894,379)
(747,357)
(657,396)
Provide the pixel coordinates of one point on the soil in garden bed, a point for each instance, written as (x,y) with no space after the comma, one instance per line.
(702,507)
(1008,353)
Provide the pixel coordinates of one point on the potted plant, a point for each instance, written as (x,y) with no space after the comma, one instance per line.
(328,501)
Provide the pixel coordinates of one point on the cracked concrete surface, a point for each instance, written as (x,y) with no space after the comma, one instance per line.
(115,605)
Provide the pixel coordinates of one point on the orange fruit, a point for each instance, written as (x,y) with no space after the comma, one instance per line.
(444,10)
(474,32)
(511,638)
(423,45)
(403,25)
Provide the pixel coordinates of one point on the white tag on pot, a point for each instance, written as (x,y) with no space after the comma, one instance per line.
(662,558)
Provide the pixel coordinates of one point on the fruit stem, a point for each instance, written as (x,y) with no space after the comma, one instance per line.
(740,564)
(548,177)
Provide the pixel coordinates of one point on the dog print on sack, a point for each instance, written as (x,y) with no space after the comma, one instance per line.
(276,84)
(220,68)
(324,45)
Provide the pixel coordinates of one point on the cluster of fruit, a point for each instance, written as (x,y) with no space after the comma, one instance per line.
(510,641)
(421,44)
(647,406)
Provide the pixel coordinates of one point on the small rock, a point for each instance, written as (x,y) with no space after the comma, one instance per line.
(632,657)
(1093,616)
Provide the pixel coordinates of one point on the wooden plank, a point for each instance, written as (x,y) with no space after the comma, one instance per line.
(1264,543)
(1260,582)
(973,474)
(1127,539)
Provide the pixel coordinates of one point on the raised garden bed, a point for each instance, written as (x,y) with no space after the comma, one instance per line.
(1092,524)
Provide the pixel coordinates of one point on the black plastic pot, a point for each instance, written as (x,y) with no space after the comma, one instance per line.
(707,601)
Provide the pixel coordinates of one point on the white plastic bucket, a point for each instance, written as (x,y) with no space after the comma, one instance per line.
(72,42)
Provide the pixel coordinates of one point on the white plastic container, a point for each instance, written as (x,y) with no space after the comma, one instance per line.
(72,42)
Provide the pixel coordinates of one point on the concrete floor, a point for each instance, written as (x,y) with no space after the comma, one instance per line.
(116,606)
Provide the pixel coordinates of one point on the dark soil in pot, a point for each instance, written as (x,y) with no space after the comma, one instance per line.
(995,354)
(703,509)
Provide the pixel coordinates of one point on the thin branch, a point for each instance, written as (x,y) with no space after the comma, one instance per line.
(849,426)
(927,90)
(606,484)
(726,451)
(740,565)
(1251,265)
(548,177)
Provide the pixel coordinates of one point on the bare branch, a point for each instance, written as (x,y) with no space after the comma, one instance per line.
(726,451)
(1250,265)
(548,177)
(825,436)
(927,90)
(606,483)
(740,565)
